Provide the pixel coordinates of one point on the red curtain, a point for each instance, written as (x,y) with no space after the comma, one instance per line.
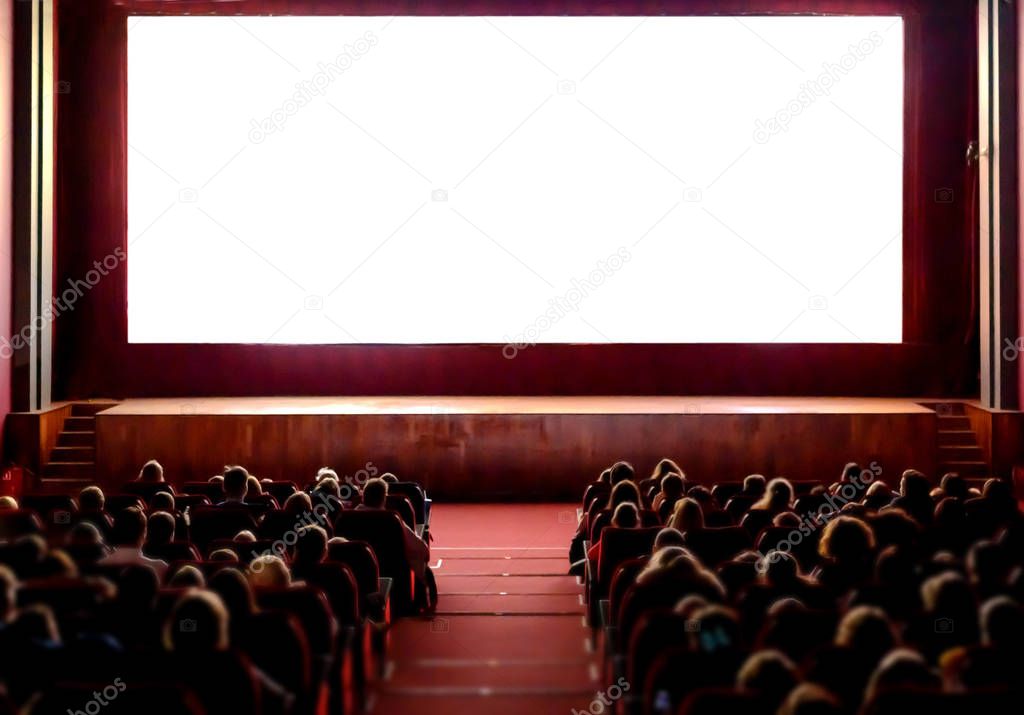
(92,356)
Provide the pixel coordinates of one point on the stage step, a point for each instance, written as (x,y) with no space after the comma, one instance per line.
(60,485)
(74,453)
(950,438)
(76,439)
(91,408)
(964,468)
(953,422)
(960,453)
(69,470)
(80,423)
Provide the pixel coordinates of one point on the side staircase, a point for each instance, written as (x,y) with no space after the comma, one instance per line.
(71,464)
(957,442)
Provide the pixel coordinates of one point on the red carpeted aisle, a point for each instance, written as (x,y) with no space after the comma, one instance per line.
(509,635)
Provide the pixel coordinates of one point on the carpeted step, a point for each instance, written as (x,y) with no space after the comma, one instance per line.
(489,637)
(492,704)
(497,604)
(540,585)
(446,674)
(498,567)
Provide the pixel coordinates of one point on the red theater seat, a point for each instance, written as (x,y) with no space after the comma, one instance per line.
(383,531)
(19,522)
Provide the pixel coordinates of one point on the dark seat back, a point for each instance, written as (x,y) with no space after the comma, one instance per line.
(384,532)
(219,522)
(19,522)
(414,493)
(146,490)
(715,545)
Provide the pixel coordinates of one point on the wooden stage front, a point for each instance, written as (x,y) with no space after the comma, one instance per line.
(513,448)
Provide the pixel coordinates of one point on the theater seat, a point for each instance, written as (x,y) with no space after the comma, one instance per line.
(901,702)
(213,491)
(15,523)
(403,507)
(146,490)
(383,531)
(416,496)
(280,490)
(219,522)
(155,699)
(715,545)
(358,556)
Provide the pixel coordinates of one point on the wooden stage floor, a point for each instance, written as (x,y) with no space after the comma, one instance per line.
(584,405)
(513,448)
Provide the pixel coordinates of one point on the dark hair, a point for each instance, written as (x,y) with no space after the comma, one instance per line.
(624,492)
(129,527)
(311,545)
(626,516)
(621,472)
(151,472)
(160,528)
(375,493)
(236,482)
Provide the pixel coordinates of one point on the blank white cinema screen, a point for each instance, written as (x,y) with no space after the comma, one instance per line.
(515,179)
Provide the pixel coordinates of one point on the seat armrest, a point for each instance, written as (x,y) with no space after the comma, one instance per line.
(384,586)
(419,530)
(604,610)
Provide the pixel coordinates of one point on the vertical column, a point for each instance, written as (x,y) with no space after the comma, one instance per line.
(34,85)
(999,269)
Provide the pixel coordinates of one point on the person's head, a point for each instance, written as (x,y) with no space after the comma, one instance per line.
(36,622)
(672,486)
(953,485)
(778,495)
(622,472)
(152,472)
(91,499)
(780,568)
(664,467)
(716,629)
(198,623)
(375,493)
(8,593)
(867,630)
(988,565)
(754,484)
(226,555)
(160,529)
(851,473)
(58,564)
(950,515)
(668,537)
(326,472)
(234,590)
(900,670)
(847,539)
(8,503)
(298,504)
(188,576)
(389,478)
(810,699)
(914,484)
(767,674)
(998,490)
(162,501)
(236,482)
(328,490)
(624,492)
(269,570)
(1002,624)
(84,534)
(310,545)
(626,516)
(253,486)
(130,527)
(687,516)
(245,536)
(605,477)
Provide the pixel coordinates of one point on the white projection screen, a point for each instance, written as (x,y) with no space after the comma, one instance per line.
(515,180)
